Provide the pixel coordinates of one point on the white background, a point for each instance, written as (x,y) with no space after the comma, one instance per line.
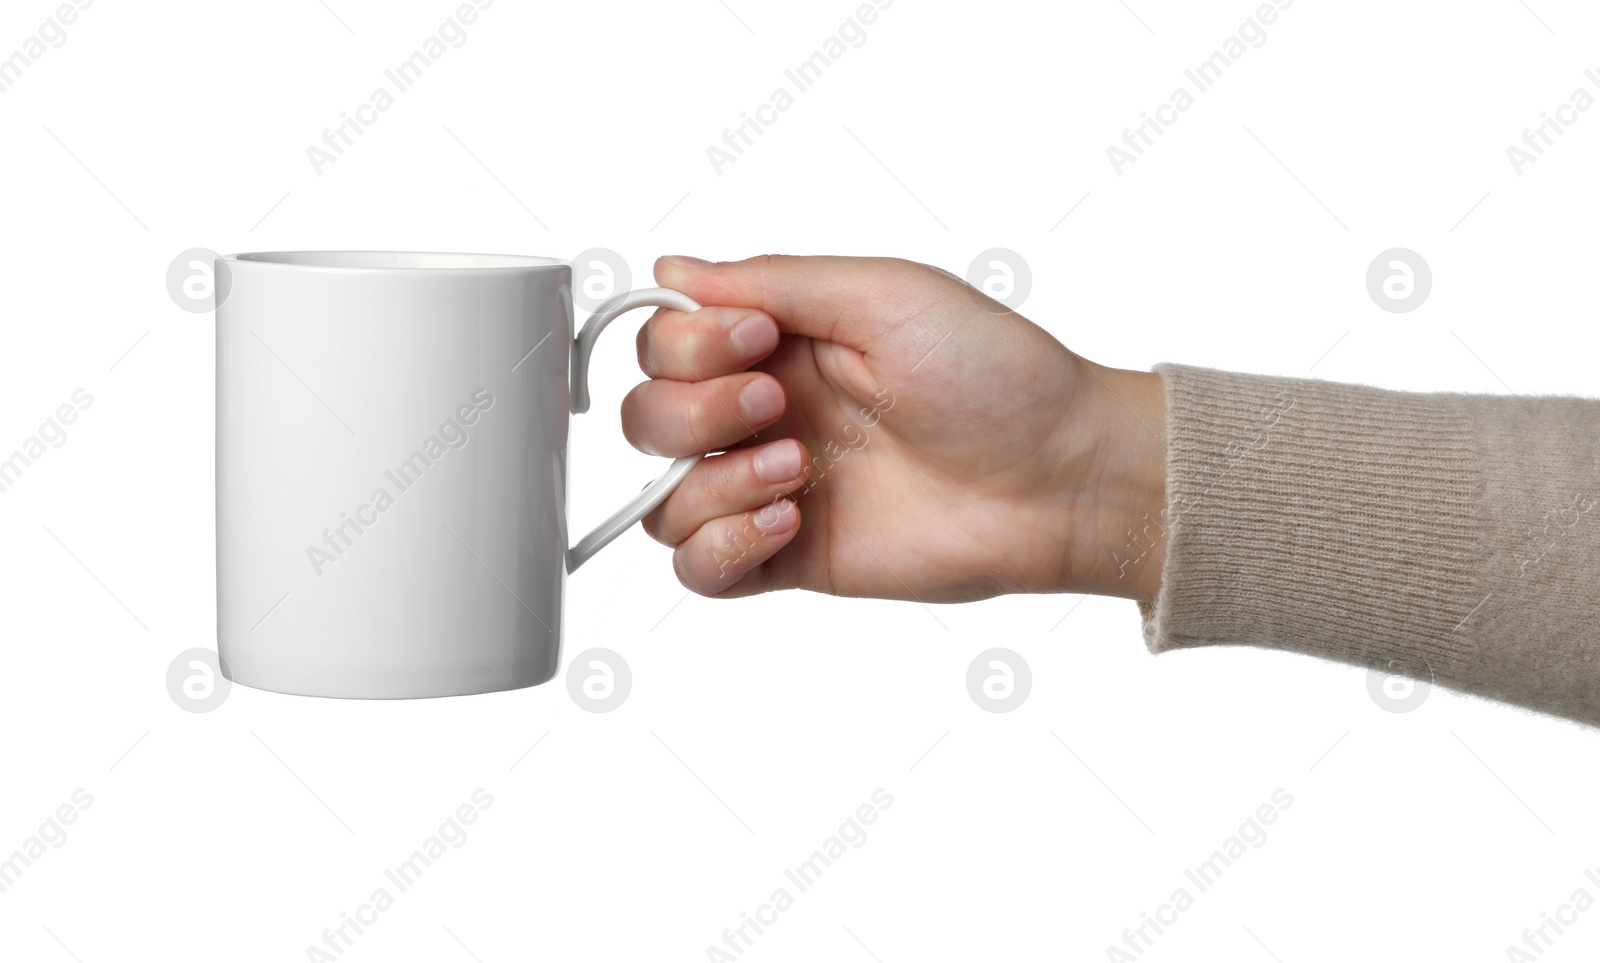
(756,727)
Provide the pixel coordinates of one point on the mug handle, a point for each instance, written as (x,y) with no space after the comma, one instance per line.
(657,491)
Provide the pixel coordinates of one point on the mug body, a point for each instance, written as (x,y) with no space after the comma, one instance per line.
(391,471)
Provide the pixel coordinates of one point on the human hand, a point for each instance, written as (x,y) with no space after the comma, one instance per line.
(887,431)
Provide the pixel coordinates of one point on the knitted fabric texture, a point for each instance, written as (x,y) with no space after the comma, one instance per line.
(1444,536)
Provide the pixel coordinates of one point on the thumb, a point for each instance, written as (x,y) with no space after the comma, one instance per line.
(849,300)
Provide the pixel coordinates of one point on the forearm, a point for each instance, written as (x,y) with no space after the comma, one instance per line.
(1441,535)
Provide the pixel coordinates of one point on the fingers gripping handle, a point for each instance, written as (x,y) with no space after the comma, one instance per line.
(656,493)
(643,504)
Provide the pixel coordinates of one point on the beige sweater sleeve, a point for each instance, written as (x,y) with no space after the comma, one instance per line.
(1451,536)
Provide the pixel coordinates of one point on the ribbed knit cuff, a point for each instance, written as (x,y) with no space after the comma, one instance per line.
(1332,519)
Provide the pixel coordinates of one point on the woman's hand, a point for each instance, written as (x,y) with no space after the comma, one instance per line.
(890,432)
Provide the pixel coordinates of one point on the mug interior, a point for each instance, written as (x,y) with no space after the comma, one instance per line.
(397,260)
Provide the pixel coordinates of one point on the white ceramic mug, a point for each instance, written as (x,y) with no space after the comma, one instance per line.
(392,469)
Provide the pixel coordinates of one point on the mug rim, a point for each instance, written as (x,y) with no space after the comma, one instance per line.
(394,262)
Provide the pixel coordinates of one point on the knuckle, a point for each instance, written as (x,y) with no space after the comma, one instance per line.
(712,479)
(906,271)
(675,343)
(699,419)
(687,346)
(656,339)
(734,478)
(737,537)
(680,568)
(635,427)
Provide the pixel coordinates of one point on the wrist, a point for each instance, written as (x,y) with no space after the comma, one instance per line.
(1120,523)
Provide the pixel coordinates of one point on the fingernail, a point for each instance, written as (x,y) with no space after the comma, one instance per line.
(684,260)
(778,462)
(754,336)
(762,401)
(777,518)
